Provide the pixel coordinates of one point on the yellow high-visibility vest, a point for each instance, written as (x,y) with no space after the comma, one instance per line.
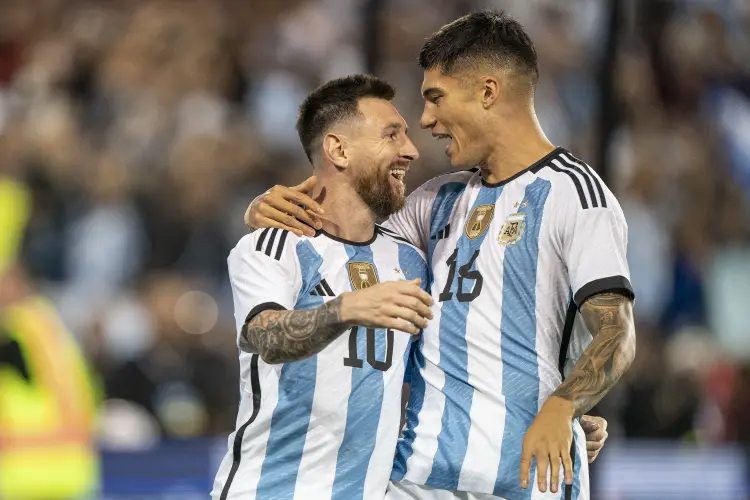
(47,423)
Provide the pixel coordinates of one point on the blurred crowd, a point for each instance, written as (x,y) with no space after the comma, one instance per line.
(143,129)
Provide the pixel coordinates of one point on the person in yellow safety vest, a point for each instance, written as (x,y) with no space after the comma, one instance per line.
(47,396)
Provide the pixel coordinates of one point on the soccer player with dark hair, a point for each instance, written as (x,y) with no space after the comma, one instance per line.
(324,322)
(533,316)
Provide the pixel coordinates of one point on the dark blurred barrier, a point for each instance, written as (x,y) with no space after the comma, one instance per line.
(637,471)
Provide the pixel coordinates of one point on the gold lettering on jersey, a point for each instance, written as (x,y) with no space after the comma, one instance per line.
(479,220)
(512,229)
(362,275)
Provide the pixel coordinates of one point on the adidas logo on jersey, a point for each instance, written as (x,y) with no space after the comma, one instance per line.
(322,290)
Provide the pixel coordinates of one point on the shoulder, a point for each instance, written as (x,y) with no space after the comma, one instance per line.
(575,182)
(269,243)
(446,182)
(403,244)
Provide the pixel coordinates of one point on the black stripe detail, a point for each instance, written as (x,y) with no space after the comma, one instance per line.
(389,233)
(262,238)
(613,284)
(265,306)
(593,176)
(269,247)
(447,230)
(237,447)
(280,248)
(327,288)
(570,319)
(577,183)
(319,290)
(586,178)
(314,292)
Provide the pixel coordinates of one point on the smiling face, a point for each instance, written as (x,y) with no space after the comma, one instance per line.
(381,153)
(453,110)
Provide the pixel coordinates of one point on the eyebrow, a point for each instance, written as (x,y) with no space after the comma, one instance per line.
(395,127)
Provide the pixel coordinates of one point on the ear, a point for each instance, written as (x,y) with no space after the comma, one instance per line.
(490,91)
(334,150)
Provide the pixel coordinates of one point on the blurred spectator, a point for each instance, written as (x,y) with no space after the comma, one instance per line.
(143,128)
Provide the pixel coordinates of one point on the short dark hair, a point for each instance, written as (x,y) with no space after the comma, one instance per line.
(488,35)
(334,101)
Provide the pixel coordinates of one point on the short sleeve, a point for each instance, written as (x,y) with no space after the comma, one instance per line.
(594,246)
(264,274)
(412,222)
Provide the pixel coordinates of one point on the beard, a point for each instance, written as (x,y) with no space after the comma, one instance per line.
(378,193)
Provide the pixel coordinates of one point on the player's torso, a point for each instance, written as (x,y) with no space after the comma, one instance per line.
(327,426)
(490,354)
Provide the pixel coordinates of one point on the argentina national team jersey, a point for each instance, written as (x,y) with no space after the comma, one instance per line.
(325,427)
(511,263)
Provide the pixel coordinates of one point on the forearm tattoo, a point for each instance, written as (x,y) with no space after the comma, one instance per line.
(609,318)
(281,336)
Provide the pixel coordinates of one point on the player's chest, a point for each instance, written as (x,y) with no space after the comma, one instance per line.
(485,233)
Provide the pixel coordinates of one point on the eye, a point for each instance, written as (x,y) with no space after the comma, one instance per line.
(393,135)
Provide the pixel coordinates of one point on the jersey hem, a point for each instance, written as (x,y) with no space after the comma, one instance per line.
(614,284)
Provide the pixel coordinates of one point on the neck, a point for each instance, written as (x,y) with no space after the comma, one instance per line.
(518,146)
(347,216)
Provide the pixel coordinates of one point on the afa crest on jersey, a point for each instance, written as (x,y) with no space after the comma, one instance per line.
(512,230)
(362,275)
(479,220)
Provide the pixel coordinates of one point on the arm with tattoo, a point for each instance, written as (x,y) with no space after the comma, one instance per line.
(281,336)
(609,318)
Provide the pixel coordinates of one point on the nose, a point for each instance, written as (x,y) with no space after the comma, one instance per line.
(427,120)
(409,150)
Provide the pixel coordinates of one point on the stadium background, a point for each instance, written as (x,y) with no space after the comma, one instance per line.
(143,129)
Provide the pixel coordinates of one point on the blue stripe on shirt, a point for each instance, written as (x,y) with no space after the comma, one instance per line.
(442,208)
(453,439)
(291,416)
(364,406)
(518,341)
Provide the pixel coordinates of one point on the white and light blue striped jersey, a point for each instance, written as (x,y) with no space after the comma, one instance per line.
(510,264)
(325,427)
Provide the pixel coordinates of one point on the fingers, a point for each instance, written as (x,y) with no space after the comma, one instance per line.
(307,185)
(280,219)
(289,194)
(592,456)
(288,209)
(554,479)
(589,424)
(415,305)
(523,476)
(567,466)
(542,463)
(402,325)
(407,314)
(412,288)
(264,222)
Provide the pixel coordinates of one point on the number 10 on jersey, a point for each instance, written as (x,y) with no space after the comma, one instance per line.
(353,359)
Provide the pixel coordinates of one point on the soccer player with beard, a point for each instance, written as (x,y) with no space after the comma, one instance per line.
(533,303)
(325,323)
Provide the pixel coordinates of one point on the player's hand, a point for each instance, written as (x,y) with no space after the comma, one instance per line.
(398,305)
(548,440)
(287,208)
(596,434)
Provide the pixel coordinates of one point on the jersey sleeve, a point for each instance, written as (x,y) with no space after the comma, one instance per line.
(412,222)
(264,274)
(594,246)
